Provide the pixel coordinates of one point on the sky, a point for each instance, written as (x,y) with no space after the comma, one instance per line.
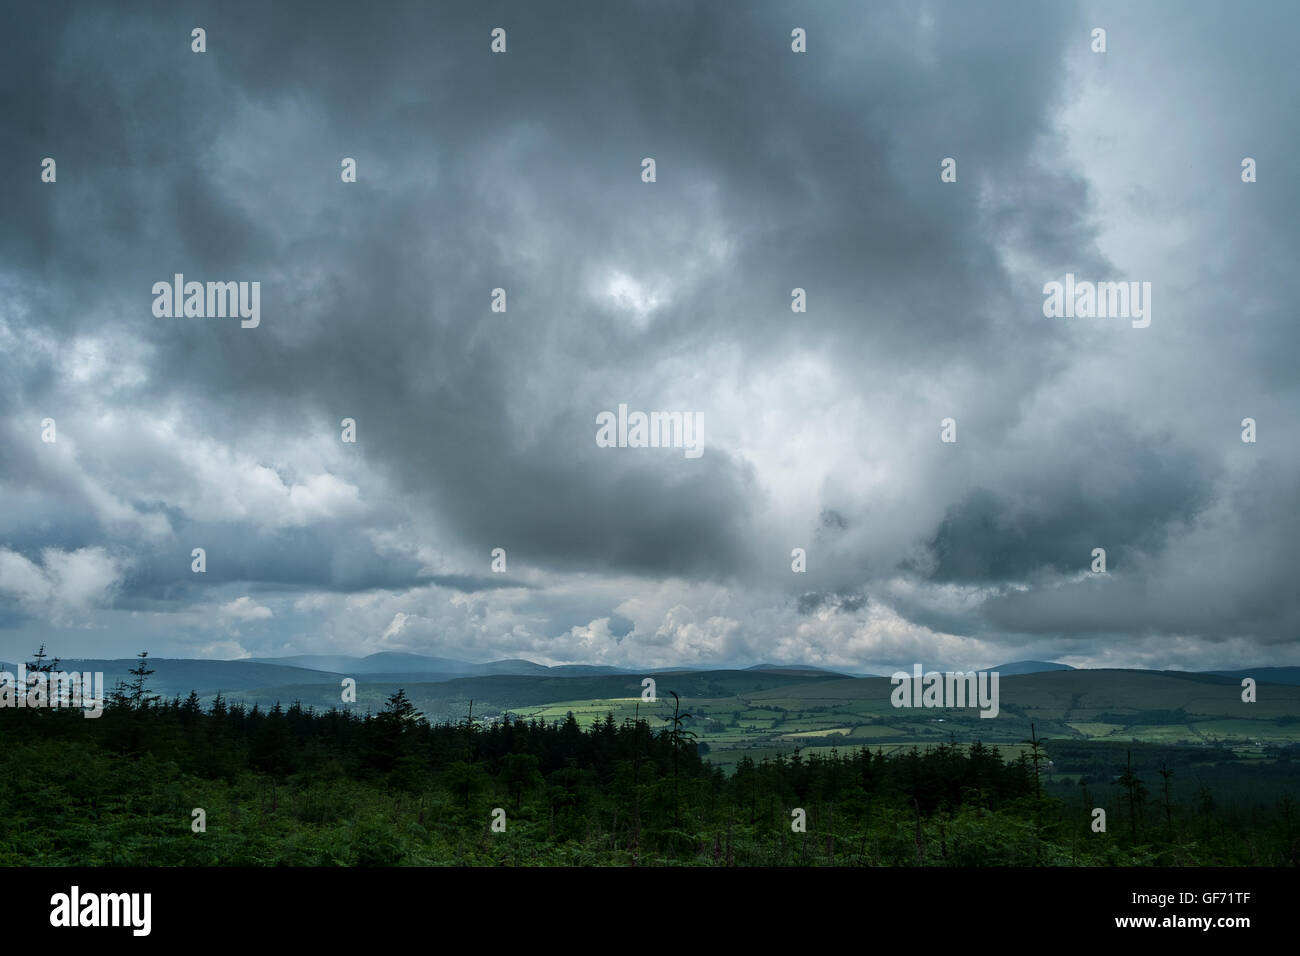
(476,429)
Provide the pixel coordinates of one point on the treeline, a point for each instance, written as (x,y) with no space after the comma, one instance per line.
(174,782)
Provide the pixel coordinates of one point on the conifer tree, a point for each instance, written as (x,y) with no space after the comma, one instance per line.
(1135,794)
(139,699)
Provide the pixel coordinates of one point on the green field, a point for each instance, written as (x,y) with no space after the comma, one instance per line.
(847,713)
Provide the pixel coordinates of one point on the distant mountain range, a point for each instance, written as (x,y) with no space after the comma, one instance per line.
(1029,667)
(1107,701)
(273,676)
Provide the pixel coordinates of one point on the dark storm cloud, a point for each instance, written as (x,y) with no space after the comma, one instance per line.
(812,601)
(393,338)
(1224,579)
(1105,489)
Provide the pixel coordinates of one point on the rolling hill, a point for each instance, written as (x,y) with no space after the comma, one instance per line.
(768,709)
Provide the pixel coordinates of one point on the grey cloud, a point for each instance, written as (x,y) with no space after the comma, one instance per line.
(476,429)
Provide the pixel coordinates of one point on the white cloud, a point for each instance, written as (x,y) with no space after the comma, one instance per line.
(65,586)
(245,609)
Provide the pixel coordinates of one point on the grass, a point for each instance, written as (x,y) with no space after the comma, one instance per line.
(766,722)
